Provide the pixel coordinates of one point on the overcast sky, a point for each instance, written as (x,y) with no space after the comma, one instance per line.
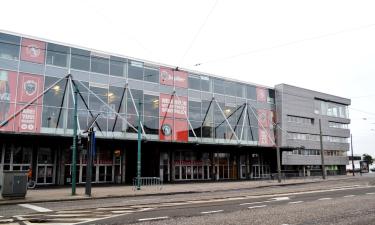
(328,46)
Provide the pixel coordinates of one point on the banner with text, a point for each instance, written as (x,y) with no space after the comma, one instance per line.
(172,114)
(8,88)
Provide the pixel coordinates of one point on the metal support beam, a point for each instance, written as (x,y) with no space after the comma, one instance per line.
(32,101)
(243,121)
(222,113)
(187,118)
(75,101)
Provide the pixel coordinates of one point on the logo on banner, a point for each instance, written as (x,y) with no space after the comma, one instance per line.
(165,75)
(166,129)
(30,87)
(33,50)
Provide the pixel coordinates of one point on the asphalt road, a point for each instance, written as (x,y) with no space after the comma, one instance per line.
(349,201)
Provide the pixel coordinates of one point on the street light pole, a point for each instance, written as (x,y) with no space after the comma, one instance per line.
(74,147)
(278,154)
(139,147)
(321,150)
(351,144)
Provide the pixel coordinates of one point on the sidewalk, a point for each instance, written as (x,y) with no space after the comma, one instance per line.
(64,193)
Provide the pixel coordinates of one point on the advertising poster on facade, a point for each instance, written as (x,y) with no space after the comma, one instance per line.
(8,85)
(29,87)
(33,51)
(265,120)
(173,122)
(169,77)
(261,94)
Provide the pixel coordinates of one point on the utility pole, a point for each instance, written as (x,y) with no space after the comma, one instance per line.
(90,153)
(139,147)
(74,148)
(278,154)
(351,144)
(321,150)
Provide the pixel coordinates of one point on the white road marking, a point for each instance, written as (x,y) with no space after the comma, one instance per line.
(73,212)
(36,208)
(154,218)
(257,206)
(371,193)
(296,202)
(280,198)
(252,203)
(122,211)
(348,196)
(216,211)
(6,220)
(323,199)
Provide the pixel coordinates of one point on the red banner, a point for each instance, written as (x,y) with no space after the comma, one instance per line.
(8,84)
(263,118)
(33,51)
(172,77)
(265,121)
(29,87)
(261,94)
(173,121)
(29,119)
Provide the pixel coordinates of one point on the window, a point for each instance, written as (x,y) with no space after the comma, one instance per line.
(9,46)
(151,74)
(301,120)
(338,125)
(271,96)
(194,82)
(335,139)
(305,137)
(99,65)
(219,86)
(230,88)
(205,83)
(54,96)
(195,111)
(118,66)
(330,109)
(80,59)
(239,90)
(151,105)
(135,70)
(57,55)
(251,92)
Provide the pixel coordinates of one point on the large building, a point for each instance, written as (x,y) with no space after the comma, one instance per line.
(195,126)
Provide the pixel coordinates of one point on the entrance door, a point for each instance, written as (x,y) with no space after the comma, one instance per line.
(45,168)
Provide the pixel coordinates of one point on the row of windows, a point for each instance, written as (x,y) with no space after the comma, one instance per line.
(302,120)
(63,56)
(317,152)
(315,137)
(338,125)
(331,109)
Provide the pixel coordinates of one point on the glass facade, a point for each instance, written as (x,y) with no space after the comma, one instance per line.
(331,109)
(190,114)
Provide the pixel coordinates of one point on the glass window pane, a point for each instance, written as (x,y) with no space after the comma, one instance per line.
(151,105)
(54,96)
(151,74)
(118,66)
(9,46)
(230,88)
(219,86)
(194,82)
(57,55)
(151,125)
(80,59)
(251,92)
(135,70)
(205,83)
(99,65)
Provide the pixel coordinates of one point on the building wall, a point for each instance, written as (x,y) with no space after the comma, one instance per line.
(299,102)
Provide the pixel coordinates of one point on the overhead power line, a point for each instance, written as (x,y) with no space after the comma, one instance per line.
(198,32)
(287,44)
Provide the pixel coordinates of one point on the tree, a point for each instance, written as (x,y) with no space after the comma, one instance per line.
(368,158)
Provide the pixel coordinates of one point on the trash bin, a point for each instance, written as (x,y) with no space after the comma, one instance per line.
(14,184)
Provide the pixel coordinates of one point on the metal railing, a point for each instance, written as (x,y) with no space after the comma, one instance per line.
(148,182)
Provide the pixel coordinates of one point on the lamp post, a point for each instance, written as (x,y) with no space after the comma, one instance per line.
(74,147)
(139,147)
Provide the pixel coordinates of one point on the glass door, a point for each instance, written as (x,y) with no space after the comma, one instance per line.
(46,166)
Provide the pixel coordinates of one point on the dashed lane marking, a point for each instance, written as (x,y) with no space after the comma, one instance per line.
(209,212)
(348,196)
(253,203)
(154,218)
(36,208)
(257,206)
(323,199)
(371,193)
(296,202)
(280,198)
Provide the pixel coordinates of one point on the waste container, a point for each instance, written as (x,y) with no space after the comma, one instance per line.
(14,184)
